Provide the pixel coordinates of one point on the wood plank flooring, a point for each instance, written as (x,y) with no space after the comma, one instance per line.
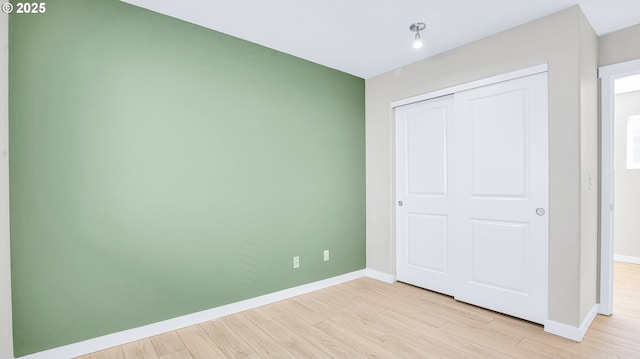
(366,318)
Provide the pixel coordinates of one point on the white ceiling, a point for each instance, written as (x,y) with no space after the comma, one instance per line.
(369,37)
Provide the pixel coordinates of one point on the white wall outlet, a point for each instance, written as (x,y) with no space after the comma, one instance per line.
(296,262)
(326,255)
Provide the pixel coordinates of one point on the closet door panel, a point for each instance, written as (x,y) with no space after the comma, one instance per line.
(502,197)
(424,179)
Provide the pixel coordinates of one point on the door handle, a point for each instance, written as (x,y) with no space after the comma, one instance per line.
(540,211)
(400,203)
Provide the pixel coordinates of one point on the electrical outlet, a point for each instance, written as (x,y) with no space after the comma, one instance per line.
(296,262)
(326,255)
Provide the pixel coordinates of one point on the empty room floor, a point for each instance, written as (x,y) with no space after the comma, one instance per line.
(366,318)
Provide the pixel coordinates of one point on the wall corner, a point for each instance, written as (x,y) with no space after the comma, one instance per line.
(6,334)
(589,174)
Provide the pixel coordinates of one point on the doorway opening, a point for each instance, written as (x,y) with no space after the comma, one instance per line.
(620,174)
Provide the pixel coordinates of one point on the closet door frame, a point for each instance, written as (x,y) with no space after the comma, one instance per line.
(533,70)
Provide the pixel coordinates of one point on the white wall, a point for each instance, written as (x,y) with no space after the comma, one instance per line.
(627,182)
(556,40)
(6,341)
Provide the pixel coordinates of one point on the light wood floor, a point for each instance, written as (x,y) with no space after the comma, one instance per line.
(366,318)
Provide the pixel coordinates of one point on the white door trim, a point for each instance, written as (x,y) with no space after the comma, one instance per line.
(608,75)
(474,84)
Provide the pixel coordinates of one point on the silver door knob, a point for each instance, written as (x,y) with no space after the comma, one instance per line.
(400,203)
(540,211)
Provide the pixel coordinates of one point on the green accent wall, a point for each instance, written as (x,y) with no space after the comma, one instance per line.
(158,168)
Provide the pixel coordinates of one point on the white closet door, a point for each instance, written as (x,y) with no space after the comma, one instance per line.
(502,197)
(424,191)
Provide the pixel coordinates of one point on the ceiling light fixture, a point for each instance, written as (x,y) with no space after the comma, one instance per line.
(417,27)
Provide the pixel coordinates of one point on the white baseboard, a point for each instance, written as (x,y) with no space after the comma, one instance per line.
(626,259)
(571,332)
(127,336)
(381,276)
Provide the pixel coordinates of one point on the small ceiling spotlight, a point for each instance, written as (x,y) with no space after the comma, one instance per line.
(417,27)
